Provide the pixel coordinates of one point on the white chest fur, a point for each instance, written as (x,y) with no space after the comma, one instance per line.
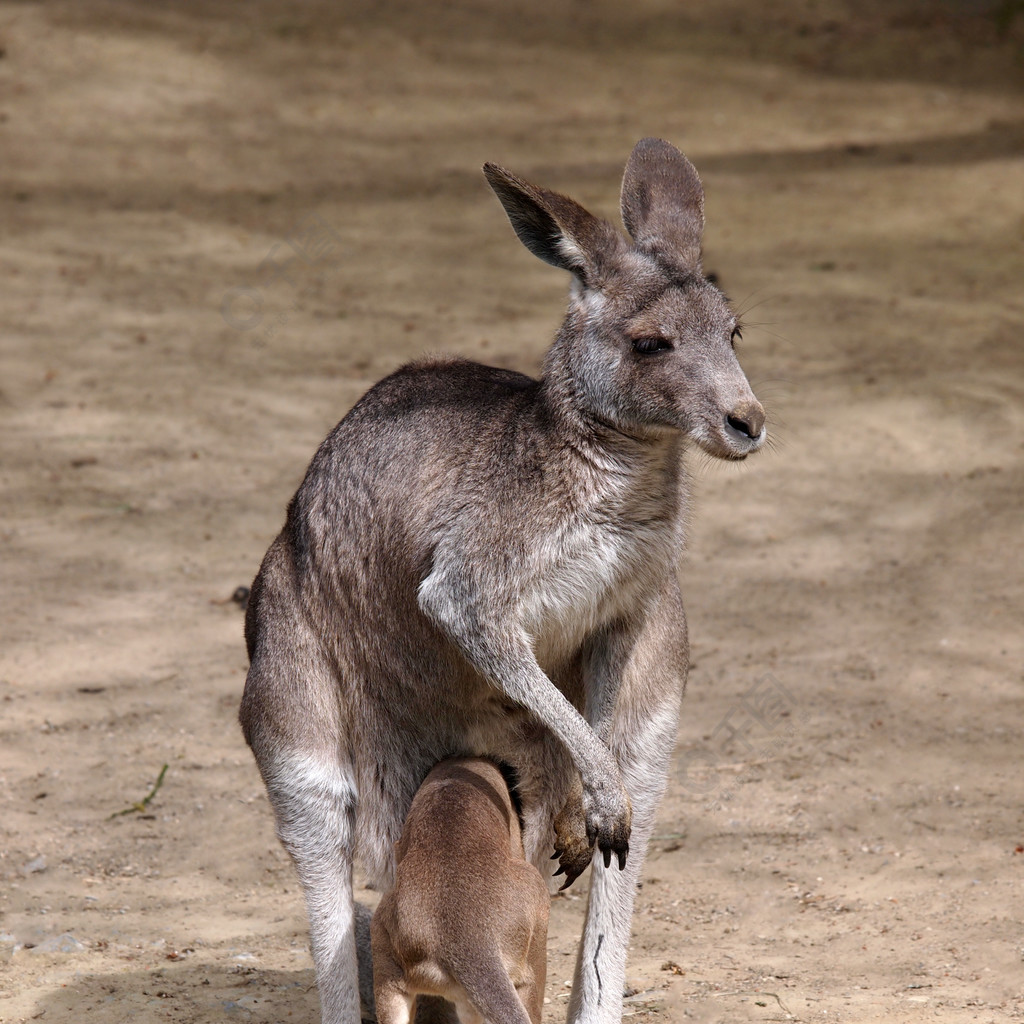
(587,575)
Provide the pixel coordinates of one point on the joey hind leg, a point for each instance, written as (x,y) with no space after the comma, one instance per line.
(531,992)
(394,1003)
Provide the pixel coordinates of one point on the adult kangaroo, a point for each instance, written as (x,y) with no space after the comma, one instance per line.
(480,563)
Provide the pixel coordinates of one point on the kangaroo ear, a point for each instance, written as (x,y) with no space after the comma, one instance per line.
(663,204)
(554,227)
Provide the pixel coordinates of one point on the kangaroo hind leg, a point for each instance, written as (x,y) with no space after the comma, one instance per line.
(314,803)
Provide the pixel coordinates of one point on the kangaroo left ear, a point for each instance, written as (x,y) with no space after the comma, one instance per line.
(554,227)
(663,204)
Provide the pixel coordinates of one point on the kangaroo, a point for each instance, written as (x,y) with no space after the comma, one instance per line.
(467,918)
(482,563)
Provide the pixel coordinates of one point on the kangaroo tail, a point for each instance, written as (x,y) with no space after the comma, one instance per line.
(492,993)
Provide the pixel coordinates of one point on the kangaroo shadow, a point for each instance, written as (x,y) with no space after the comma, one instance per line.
(200,993)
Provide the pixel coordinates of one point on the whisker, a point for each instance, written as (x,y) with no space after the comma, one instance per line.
(747,305)
(777,335)
(772,385)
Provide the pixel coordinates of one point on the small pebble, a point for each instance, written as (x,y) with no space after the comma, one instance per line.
(65,943)
(34,866)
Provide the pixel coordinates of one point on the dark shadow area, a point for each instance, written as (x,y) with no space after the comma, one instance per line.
(197,994)
(1000,140)
(977,43)
(186,993)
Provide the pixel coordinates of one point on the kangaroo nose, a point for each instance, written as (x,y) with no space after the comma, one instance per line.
(747,418)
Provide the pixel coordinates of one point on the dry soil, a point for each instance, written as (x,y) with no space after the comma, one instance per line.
(858,858)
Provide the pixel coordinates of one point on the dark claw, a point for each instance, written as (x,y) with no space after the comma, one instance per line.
(568,881)
(561,871)
(622,857)
(607,857)
(556,855)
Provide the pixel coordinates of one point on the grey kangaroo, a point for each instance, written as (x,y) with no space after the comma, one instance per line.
(481,563)
(467,919)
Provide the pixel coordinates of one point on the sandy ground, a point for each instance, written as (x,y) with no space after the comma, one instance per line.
(859,858)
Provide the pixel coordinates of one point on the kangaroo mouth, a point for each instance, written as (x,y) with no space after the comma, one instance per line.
(730,444)
(744,440)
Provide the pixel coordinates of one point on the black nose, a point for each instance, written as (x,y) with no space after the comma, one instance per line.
(747,418)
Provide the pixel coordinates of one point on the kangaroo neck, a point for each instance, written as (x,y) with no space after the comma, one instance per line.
(586,436)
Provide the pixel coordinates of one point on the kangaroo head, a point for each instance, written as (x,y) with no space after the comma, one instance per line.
(647,344)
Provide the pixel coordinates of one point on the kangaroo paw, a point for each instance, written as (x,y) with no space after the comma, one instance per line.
(573,849)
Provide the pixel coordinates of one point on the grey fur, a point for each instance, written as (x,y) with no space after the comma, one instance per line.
(481,563)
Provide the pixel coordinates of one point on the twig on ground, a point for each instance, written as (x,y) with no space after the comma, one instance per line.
(144,802)
(774,995)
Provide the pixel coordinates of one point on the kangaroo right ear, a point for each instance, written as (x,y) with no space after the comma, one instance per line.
(663,203)
(554,227)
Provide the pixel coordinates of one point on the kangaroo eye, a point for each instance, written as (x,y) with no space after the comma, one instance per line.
(652,344)
(737,335)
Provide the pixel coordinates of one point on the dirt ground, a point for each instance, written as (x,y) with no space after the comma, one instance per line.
(167,373)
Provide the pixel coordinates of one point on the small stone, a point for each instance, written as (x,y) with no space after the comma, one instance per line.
(34,866)
(65,943)
(245,1003)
